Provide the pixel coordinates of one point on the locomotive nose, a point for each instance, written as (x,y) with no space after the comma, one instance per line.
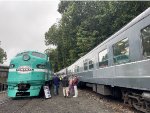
(26,57)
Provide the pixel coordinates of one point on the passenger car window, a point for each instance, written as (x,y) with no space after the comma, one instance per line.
(121,51)
(76,68)
(85,66)
(91,64)
(145,34)
(103,58)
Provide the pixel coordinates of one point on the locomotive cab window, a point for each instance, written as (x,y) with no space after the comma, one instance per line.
(38,54)
(103,58)
(121,51)
(145,35)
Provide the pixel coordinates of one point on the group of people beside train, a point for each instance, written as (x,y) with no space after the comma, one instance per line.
(68,83)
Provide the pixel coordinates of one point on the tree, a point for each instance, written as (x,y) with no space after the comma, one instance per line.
(52,53)
(85,24)
(3,55)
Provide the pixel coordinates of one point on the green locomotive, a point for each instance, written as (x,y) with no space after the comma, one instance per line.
(29,71)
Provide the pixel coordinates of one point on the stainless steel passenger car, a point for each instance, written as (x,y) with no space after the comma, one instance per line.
(120,66)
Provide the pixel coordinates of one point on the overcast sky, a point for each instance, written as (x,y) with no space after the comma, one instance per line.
(23,24)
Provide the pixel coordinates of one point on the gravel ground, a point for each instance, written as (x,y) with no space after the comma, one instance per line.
(2,95)
(87,102)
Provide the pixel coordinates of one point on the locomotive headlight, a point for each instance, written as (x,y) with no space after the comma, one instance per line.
(26,57)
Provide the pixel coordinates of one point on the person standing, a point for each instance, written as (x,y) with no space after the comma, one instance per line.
(65,85)
(71,88)
(56,81)
(75,82)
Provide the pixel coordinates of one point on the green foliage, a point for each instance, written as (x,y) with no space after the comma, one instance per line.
(85,24)
(52,53)
(3,55)
(53,33)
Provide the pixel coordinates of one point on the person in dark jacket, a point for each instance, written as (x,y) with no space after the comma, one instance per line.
(65,85)
(56,81)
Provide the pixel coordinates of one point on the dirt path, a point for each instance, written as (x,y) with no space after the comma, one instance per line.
(87,102)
